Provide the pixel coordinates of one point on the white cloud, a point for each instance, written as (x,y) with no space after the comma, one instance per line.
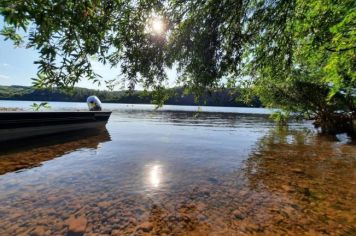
(5,64)
(4,77)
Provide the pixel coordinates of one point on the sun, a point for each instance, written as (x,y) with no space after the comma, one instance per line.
(155,25)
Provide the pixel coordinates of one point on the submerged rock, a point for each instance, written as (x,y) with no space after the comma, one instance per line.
(40,231)
(286,188)
(76,225)
(145,227)
(297,170)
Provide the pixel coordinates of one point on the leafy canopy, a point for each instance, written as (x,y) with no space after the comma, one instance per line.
(294,54)
(304,60)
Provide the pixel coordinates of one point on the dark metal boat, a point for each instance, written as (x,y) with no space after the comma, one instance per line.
(18,125)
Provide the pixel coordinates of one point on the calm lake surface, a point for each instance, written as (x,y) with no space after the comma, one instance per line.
(177,171)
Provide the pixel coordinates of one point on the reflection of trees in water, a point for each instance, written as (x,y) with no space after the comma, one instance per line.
(187,118)
(31,152)
(315,173)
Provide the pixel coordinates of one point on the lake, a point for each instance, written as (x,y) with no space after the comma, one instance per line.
(177,171)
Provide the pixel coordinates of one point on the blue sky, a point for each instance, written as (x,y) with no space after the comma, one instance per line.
(17,67)
(16,64)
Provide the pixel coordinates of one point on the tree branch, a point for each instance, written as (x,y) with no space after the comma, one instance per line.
(340,50)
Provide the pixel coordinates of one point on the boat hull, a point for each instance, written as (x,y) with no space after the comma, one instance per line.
(19,125)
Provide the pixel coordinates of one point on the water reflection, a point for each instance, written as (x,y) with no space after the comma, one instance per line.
(155,175)
(195,119)
(32,152)
(313,178)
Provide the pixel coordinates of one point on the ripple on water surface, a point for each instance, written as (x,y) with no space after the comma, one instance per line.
(180,173)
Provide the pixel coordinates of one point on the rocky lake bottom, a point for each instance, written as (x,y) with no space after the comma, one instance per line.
(180,173)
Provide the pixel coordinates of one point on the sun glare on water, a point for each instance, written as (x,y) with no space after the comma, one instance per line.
(155,175)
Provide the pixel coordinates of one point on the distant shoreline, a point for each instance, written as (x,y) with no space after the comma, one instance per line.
(123,103)
(223,98)
(78,106)
(10,109)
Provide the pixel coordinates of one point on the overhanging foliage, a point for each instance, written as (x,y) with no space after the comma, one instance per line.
(297,55)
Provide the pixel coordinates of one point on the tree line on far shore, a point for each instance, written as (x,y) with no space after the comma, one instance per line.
(77,94)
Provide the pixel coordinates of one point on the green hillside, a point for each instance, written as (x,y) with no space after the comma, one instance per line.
(222,98)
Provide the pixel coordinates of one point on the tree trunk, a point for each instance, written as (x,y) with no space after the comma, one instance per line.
(333,123)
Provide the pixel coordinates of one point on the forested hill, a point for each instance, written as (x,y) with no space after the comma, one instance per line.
(81,94)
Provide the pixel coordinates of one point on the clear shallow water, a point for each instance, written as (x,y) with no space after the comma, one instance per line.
(180,173)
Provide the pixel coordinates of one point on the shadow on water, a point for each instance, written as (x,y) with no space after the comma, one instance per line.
(26,153)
